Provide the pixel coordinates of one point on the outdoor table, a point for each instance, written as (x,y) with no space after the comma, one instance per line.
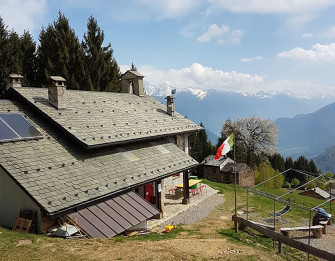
(191,183)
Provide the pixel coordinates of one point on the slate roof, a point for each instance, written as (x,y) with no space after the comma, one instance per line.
(209,161)
(101,119)
(58,174)
(229,167)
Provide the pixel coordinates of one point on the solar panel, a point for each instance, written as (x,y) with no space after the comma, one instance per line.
(14,126)
(6,133)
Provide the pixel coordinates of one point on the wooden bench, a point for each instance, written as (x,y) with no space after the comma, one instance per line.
(330,221)
(316,230)
(324,224)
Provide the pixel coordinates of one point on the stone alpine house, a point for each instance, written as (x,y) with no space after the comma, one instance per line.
(94,157)
(222,170)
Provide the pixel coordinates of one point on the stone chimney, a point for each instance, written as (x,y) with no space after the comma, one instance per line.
(57,91)
(132,82)
(170,105)
(14,80)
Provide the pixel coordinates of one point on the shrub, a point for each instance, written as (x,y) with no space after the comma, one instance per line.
(295,182)
(287,185)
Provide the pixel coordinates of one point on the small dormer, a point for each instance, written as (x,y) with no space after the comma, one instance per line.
(14,80)
(132,82)
(57,91)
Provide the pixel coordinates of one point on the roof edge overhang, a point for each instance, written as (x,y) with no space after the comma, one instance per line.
(12,92)
(113,194)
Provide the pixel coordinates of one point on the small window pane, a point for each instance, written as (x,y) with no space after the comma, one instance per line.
(20,125)
(6,133)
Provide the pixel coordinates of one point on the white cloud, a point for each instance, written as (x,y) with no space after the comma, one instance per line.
(170,9)
(203,77)
(318,52)
(252,59)
(198,75)
(266,6)
(307,35)
(23,15)
(222,34)
(301,88)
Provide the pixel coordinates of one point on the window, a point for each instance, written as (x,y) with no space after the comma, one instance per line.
(14,126)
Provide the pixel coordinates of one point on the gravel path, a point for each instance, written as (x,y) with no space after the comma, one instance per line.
(197,211)
(326,242)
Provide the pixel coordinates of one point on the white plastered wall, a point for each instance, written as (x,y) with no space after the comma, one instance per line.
(12,199)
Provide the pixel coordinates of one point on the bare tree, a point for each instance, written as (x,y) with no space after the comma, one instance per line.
(257,136)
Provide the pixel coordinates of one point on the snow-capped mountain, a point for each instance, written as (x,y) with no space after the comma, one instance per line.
(201,94)
(157,90)
(164,89)
(213,107)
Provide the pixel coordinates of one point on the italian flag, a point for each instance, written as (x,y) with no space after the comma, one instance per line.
(225,147)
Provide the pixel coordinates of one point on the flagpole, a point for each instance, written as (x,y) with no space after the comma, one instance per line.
(235,195)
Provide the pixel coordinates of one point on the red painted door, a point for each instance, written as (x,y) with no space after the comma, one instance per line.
(149,192)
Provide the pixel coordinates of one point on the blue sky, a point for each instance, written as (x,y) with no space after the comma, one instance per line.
(233,45)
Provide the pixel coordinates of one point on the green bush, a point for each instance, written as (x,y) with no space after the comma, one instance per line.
(295,182)
(287,184)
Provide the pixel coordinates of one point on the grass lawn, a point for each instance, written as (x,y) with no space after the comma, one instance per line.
(15,246)
(263,206)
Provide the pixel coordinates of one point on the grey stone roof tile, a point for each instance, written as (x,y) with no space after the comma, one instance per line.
(96,118)
(53,168)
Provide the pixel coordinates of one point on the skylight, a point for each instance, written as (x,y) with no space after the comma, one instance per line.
(14,127)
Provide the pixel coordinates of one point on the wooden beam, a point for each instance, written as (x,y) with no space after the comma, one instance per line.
(186,187)
(287,241)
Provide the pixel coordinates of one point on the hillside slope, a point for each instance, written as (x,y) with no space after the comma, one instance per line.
(307,134)
(326,161)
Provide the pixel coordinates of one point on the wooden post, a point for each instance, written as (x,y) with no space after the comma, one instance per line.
(248,204)
(235,194)
(186,187)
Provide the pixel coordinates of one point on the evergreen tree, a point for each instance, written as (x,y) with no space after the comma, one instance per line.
(289,163)
(29,62)
(200,146)
(312,167)
(301,164)
(4,56)
(277,162)
(102,70)
(60,53)
(14,64)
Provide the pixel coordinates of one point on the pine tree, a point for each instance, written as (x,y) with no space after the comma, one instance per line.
(200,146)
(277,162)
(14,64)
(102,70)
(29,61)
(313,167)
(302,164)
(4,56)
(60,54)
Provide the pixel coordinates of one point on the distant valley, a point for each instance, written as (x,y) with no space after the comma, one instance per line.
(214,107)
(305,124)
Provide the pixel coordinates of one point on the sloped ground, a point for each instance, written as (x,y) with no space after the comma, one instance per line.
(198,241)
(207,234)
